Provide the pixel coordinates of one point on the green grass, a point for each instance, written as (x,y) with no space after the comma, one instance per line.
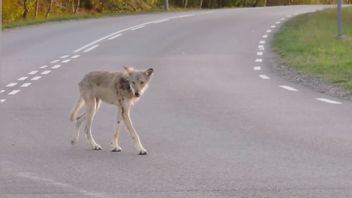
(308,44)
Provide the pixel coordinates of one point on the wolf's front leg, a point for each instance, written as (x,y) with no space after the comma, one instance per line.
(115,139)
(135,137)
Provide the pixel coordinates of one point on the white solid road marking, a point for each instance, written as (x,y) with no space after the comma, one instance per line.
(184,16)
(260,53)
(120,31)
(55,61)
(22,78)
(137,27)
(283,18)
(91,48)
(56,66)
(288,88)
(75,56)
(64,56)
(257,68)
(44,66)
(2,91)
(36,78)
(66,61)
(11,84)
(26,84)
(2,100)
(263,76)
(262,42)
(268,31)
(161,21)
(46,72)
(328,101)
(265,36)
(118,35)
(258,60)
(14,92)
(33,72)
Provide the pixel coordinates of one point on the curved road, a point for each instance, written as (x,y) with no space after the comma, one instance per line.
(215,120)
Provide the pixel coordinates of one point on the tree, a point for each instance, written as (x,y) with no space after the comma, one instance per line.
(25,9)
(49,8)
(77,6)
(36,8)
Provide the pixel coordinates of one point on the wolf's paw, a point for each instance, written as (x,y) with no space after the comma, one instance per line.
(73,141)
(143,152)
(97,147)
(116,149)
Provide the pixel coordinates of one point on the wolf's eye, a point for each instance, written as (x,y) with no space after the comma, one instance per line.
(142,82)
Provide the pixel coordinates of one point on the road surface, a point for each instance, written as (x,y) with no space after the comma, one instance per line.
(217,122)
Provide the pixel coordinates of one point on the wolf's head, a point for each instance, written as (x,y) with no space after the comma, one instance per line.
(138,79)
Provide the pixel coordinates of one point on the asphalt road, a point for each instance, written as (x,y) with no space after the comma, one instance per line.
(217,122)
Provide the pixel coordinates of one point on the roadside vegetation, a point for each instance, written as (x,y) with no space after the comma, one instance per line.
(309,45)
(25,12)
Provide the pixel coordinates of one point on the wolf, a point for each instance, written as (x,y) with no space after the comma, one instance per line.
(122,89)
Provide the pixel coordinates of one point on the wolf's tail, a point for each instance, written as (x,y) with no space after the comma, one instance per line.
(76,109)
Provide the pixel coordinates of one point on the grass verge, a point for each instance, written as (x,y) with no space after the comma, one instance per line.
(308,44)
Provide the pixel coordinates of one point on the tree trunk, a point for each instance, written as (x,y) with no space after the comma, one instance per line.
(49,8)
(72,2)
(186,3)
(77,6)
(201,4)
(25,8)
(36,8)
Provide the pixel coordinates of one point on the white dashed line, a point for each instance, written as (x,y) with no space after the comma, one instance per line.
(55,61)
(260,53)
(265,77)
(2,100)
(137,27)
(90,49)
(261,47)
(265,36)
(14,92)
(66,61)
(2,91)
(288,88)
(75,56)
(273,26)
(257,68)
(56,66)
(118,35)
(43,67)
(22,78)
(26,84)
(11,84)
(283,18)
(258,60)
(268,31)
(262,42)
(36,78)
(278,22)
(288,16)
(328,101)
(46,72)
(33,72)
(64,56)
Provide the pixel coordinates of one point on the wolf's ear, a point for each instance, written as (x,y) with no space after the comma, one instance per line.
(149,71)
(128,69)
